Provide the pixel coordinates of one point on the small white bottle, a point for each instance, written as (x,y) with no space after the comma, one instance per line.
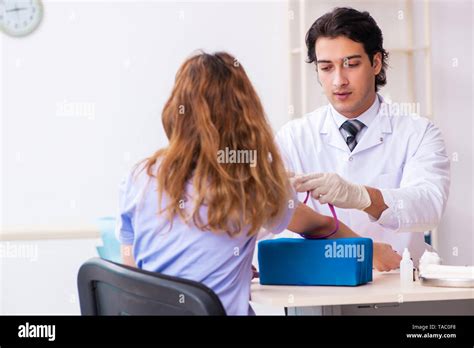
(406,269)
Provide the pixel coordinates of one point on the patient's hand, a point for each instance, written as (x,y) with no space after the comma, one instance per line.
(255,273)
(385,258)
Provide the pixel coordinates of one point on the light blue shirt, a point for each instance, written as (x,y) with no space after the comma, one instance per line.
(218,261)
(366,118)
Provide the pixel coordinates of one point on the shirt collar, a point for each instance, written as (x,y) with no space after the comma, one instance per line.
(366,117)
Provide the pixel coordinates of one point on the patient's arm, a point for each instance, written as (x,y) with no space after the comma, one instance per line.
(306,220)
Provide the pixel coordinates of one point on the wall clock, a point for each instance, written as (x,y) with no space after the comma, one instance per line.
(20,17)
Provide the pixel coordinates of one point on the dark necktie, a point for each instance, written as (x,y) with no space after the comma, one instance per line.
(352,127)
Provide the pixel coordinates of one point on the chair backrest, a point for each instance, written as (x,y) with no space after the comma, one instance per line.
(109,288)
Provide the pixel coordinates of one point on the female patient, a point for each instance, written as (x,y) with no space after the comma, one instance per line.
(194,209)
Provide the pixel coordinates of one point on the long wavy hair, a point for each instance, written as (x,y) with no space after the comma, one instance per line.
(214,110)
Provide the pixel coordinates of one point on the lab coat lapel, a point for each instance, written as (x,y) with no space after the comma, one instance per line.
(375,133)
(331,135)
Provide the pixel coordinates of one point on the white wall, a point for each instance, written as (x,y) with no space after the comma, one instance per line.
(39,277)
(453,111)
(115,63)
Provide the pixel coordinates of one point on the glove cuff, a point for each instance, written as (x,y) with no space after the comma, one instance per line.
(365,200)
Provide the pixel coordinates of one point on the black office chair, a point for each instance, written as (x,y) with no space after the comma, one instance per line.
(109,288)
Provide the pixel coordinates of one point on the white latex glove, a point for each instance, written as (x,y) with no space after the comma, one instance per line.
(292,177)
(331,188)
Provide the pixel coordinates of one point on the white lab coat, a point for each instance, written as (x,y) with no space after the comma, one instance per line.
(403,156)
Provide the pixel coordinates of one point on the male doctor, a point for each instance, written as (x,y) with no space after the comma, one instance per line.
(387,174)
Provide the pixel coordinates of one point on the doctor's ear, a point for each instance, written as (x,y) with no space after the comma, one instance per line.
(377,62)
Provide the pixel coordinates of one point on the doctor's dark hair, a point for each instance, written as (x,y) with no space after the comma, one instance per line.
(355,25)
(213,107)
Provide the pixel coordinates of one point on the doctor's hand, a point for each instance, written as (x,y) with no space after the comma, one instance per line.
(293,177)
(331,188)
(385,258)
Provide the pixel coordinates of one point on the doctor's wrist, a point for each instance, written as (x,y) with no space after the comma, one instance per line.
(377,204)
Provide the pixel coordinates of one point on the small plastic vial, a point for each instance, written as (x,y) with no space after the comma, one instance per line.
(406,269)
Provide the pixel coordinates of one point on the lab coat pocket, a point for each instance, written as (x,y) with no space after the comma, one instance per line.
(389,180)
